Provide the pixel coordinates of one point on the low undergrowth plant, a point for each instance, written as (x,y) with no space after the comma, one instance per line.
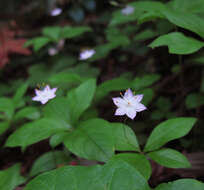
(65,107)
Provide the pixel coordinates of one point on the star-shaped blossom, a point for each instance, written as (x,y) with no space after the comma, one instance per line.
(129,104)
(127,10)
(86,54)
(44,95)
(56,12)
(52,51)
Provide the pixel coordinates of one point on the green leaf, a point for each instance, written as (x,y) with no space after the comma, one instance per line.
(115,35)
(52,32)
(167,131)
(57,139)
(185,20)
(111,85)
(4,126)
(35,131)
(71,32)
(48,161)
(194,100)
(40,42)
(10,178)
(182,184)
(195,6)
(97,139)
(116,175)
(31,113)
(169,158)
(92,139)
(119,175)
(139,9)
(59,108)
(7,107)
(178,43)
(138,161)
(119,18)
(80,98)
(65,77)
(145,35)
(125,139)
(69,177)
(150,16)
(140,83)
(17,99)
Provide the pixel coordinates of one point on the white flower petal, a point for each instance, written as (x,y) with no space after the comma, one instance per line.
(127,10)
(128,94)
(53,90)
(140,107)
(138,97)
(120,111)
(47,88)
(86,54)
(119,102)
(131,113)
(56,12)
(52,51)
(38,92)
(43,101)
(36,98)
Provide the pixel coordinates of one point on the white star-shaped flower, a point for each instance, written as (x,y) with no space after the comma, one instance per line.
(52,51)
(127,10)
(86,54)
(129,104)
(56,12)
(44,95)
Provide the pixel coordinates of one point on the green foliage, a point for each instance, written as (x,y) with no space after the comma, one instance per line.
(185,20)
(169,158)
(167,131)
(48,161)
(186,184)
(97,139)
(178,43)
(72,119)
(56,33)
(93,177)
(6,108)
(138,161)
(11,178)
(80,99)
(35,131)
(196,6)
(194,100)
(29,112)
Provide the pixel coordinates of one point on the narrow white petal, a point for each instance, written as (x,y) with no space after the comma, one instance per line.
(47,88)
(51,96)
(36,98)
(127,10)
(45,100)
(140,107)
(56,12)
(119,102)
(128,94)
(120,111)
(131,113)
(37,92)
(53,90)
(138,97)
